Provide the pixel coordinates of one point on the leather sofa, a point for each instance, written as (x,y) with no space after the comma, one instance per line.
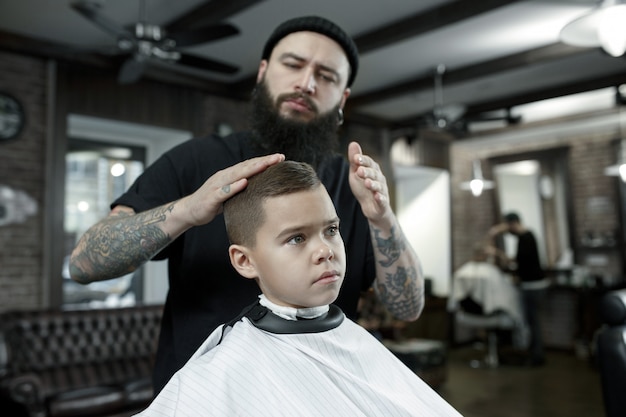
(78,362)
(611,352)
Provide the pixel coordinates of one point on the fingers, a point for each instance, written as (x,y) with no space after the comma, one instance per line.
(231,189)
(366,168)
(368,183)
(234,179)
(251,167)
(354,153)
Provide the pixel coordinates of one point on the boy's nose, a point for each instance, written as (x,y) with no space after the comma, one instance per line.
(325,253)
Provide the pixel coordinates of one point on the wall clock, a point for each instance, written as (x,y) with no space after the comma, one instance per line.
(12,117)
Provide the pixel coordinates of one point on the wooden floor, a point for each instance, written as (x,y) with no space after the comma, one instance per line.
(565,386)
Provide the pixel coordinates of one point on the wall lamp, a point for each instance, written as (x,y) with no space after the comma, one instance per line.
(478,183)
(619,169)
(603,26)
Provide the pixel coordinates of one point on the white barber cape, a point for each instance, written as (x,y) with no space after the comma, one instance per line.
(342,371)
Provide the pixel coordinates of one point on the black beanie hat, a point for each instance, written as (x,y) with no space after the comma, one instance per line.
(319,25)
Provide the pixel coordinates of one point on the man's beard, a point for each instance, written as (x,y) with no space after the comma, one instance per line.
(303,141)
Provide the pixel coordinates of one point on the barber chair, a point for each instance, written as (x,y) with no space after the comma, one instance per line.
(467,315)
(611,352)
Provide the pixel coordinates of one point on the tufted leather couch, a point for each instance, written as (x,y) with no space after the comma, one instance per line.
(78,362)
(611,351)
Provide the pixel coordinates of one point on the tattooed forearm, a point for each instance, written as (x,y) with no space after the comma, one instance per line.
(119,244)
(391,248)
(399,292)
(399,279)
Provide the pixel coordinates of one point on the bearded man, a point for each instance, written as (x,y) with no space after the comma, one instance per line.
(173,210)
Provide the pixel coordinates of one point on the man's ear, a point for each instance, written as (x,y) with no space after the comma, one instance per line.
(262,68)
(344,97)
(242,262)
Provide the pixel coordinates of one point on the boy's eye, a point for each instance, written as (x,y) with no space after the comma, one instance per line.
(296,240)
(333,231)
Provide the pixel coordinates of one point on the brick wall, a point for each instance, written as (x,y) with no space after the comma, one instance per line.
(595,199)
(22,168)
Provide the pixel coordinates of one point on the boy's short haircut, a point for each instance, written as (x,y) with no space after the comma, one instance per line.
(244,214)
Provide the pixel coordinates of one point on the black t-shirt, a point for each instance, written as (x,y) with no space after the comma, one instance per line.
(527,259)
(204,289)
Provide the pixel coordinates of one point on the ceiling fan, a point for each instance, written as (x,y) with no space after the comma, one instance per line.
(454,117)
(443,116)
(147,44)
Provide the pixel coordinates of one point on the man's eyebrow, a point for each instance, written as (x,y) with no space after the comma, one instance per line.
(295,56)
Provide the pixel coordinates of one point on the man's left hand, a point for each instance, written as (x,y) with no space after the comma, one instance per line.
(368,184)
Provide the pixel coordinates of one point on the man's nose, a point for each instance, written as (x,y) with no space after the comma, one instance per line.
(307,83)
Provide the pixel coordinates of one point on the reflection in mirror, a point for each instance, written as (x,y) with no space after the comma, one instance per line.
(536,187)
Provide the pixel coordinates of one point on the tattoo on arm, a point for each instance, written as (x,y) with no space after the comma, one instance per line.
(393,288)
(398,285)
(391,247)
(120,244)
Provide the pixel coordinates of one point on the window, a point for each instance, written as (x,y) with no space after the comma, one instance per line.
(96,174)
(97,146)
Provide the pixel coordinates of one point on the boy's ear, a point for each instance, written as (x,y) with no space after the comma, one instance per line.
(241,261)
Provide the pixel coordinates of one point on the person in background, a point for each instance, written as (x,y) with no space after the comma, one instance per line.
(173,210)
(292,352)
(529,272)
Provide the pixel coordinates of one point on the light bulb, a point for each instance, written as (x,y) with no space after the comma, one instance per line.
(612,30)
(476,185)
(118,169)
(622,172)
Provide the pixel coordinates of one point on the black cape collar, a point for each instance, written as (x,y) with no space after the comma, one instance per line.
(263,318)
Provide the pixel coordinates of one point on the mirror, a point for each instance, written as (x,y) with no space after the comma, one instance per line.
(536,186)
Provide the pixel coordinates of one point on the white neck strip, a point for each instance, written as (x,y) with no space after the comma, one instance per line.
(291,313)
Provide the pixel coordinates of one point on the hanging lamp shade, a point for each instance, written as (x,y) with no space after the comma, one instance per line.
(603,26)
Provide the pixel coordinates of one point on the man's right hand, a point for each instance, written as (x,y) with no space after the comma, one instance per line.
(203,205)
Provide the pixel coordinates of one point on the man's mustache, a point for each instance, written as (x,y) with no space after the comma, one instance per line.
(297,96)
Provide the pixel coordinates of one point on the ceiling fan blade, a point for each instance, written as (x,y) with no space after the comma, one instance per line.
(132,69)
(207,64)
(91,11)
(203,35)
(208,12)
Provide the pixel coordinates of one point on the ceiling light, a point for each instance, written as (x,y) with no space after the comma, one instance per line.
(478,183)
(603,26)
(118,169)
(619,169)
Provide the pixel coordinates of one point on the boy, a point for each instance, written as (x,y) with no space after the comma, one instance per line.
(292,352)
